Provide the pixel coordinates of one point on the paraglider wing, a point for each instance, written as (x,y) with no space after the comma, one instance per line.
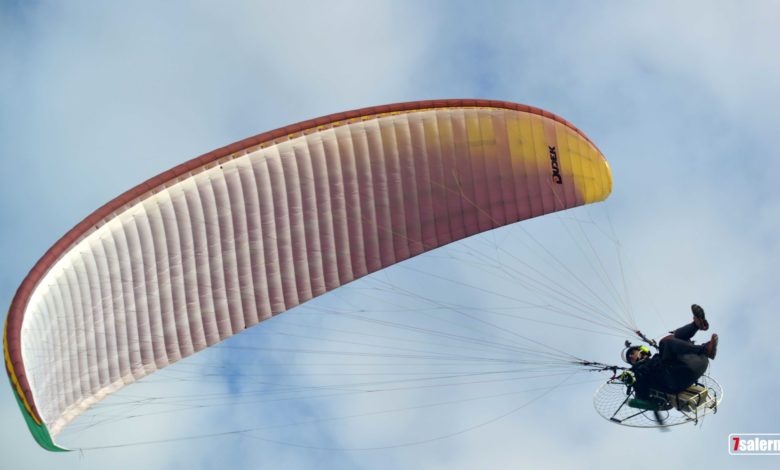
(224,241)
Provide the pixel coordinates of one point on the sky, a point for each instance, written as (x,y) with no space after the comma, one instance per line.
(681,97)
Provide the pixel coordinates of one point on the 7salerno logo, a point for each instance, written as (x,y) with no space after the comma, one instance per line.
(754,444)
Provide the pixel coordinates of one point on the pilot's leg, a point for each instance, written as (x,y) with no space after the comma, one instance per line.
(672,347)
(685,332)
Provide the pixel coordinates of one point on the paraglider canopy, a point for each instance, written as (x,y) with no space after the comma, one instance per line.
(226,240)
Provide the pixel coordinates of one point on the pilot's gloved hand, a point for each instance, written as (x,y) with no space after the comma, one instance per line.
(627,377)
